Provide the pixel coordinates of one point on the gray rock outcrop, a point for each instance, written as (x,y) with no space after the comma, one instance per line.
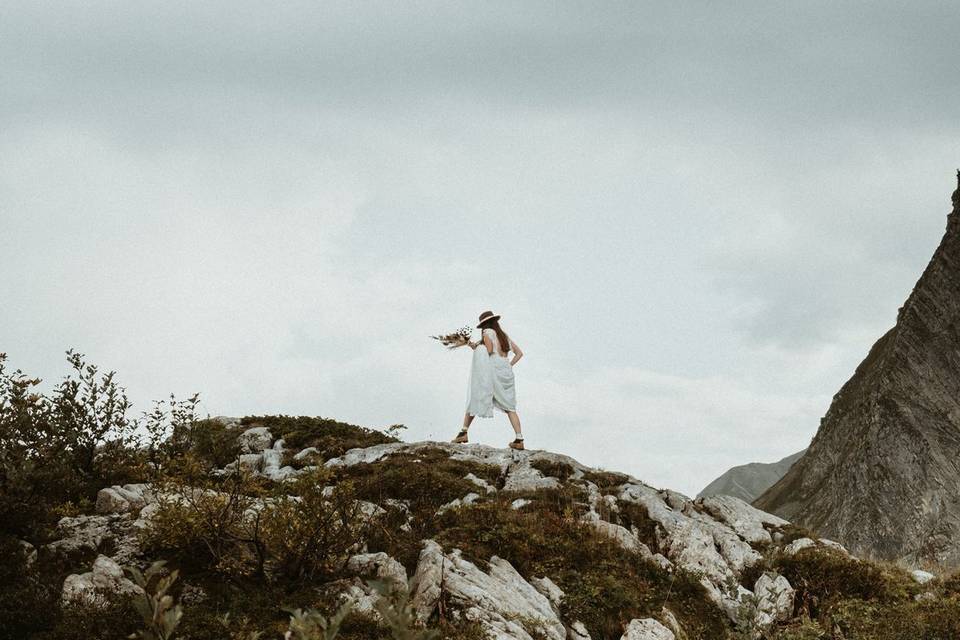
(646,629)
(104,580)
(495,599)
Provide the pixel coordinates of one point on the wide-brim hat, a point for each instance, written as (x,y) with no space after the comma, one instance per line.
(487,316)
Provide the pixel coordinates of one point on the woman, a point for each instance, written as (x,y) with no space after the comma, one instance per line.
(491,382)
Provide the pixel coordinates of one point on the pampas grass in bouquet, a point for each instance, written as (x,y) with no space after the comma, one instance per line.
(459,338)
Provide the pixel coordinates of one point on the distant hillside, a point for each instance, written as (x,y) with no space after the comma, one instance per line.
(748,481)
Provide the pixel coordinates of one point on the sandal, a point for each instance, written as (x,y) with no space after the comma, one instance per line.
(516,444)
(461,437)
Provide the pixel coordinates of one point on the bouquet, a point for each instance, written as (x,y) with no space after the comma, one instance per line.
(459,338)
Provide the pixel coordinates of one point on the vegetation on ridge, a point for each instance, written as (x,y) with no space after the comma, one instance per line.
(283,570)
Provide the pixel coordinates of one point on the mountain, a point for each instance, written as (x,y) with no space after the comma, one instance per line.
(882,474)
(748,481)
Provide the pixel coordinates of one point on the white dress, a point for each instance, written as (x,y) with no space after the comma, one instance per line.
(491,382)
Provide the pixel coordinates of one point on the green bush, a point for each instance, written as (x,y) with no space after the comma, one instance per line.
(64,446)
(330,437)
(560,470)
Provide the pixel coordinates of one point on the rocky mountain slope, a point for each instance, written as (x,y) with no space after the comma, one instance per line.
(485,543)
(749,481)
(882,474)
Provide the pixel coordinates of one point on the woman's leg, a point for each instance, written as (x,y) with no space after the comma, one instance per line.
(467,419)
(515,423)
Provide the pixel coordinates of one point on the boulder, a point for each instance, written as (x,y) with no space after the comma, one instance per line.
(29,553)
(129,497)
(377,565)
(774,598)
(495,599)
(747,521)
(303,454)
(646,629)
(97,586)
(578,631)
(922,577)
(798,545)
(468,499)
(480,482)
(255,440)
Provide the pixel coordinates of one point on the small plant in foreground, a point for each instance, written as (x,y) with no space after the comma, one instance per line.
(160,615)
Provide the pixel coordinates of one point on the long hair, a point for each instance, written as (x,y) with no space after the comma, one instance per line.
(501,336)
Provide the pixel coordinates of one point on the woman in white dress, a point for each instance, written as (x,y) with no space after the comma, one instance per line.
(491,383)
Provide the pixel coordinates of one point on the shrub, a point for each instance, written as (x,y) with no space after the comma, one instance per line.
(63,447)
(210,526)
(606,481)
(556,469)
(330,437)
(312,534)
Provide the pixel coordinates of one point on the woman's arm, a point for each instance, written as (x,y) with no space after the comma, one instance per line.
(517,353)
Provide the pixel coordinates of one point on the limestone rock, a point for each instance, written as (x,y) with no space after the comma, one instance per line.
(695,541)
(774,599)
(96,586)
(799,545)
(303,454)
(495,599)
(255,440)
(577,631)
(129,497)
(29,553)
(746,520)
(646,629)
(549,588)
(921,577)
(880,476)
(377,565)
(480,482)
(468,499)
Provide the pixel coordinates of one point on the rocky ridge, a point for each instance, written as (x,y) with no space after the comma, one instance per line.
(713,538)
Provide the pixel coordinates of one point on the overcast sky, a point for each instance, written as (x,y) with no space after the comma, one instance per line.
(695,218)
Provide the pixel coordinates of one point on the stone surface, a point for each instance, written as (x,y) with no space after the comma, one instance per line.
(377,565)
(29,553)
(880,476)
(495,599)
(799,545)
(921,577)
(774,599)
(255,440)
(646,629)
(96,586)
(129,497)
(749,481)
(577,631)
(696,541)
(480,482)
(746,520)
(81,538)
(468,499)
